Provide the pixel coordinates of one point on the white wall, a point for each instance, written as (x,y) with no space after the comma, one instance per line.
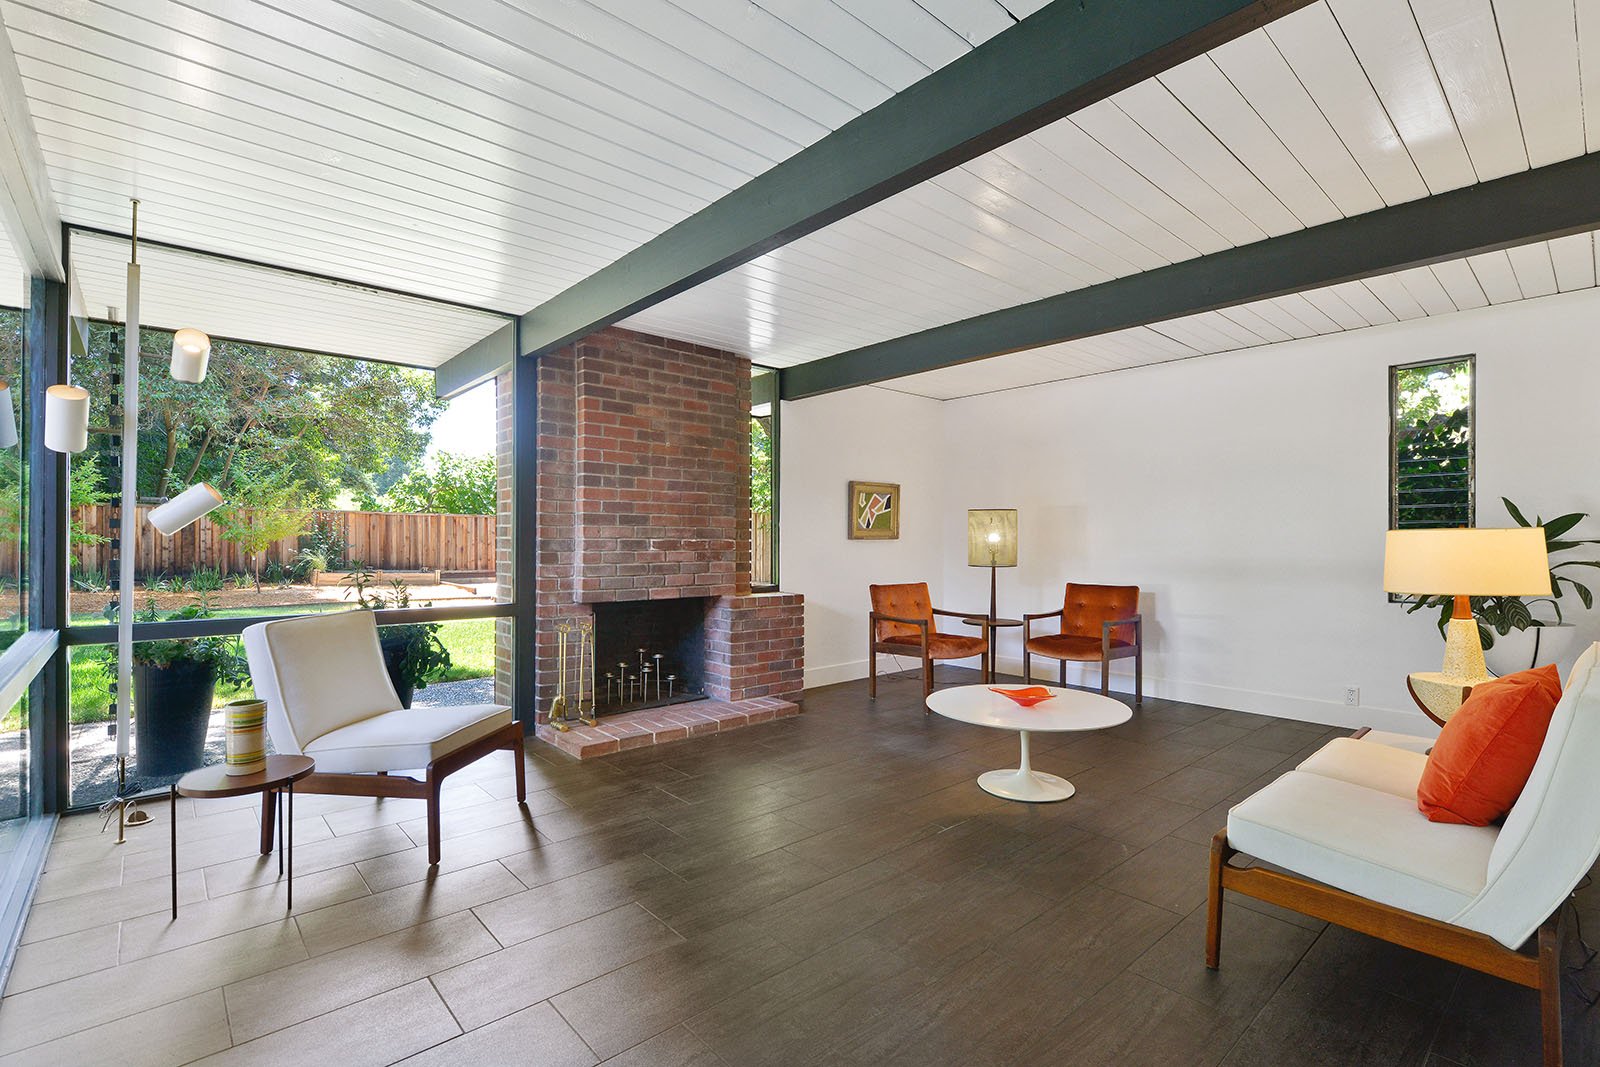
(1246,494)
(872,435)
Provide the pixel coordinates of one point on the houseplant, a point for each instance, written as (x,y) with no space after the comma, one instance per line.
(174,685)
(412,652)
(1511,617)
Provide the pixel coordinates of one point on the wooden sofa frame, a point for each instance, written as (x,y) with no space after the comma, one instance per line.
(383,784)
(1469,948)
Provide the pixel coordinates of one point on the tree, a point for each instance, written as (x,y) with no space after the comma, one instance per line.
(333,425)
(450,484)
(760,466)
(267,509)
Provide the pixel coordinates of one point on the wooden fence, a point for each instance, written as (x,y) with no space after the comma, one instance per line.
(378,539)
(761,548)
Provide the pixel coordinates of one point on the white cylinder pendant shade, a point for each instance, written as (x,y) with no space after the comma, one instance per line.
(8,418)
(186,507)
(66,418)
(191,351)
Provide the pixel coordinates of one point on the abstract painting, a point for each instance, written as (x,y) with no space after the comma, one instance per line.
(874,511)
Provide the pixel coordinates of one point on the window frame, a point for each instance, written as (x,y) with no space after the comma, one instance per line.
(1471,360)
(767,392)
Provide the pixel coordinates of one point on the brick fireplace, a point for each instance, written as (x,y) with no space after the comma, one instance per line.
(644,496)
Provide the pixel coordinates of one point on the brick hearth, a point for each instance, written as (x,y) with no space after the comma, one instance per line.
(655,726)
(644,494)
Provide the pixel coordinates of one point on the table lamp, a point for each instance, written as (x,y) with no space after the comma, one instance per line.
(1464,563)
(992,543)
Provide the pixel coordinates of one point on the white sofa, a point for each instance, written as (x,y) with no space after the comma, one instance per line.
(1345,825)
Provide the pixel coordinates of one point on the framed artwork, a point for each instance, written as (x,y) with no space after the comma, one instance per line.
(874,511)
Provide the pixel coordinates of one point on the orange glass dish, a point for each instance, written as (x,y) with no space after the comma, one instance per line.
(1027,697)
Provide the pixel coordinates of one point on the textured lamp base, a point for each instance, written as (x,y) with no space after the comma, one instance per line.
(1463,653)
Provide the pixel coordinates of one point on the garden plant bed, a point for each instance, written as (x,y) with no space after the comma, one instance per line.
(86,605)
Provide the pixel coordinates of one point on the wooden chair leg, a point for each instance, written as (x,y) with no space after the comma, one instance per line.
(1027,665)
(269,813)
(872,666)
(1550,990)
(434,785)
(927,680)
(1063,666)
(1219,846)
(1105,676)
(1138,673)
(522,770)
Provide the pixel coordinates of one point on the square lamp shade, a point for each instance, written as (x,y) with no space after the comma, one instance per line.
(992,538)
(1464,564)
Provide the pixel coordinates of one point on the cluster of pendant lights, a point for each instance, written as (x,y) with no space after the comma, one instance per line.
(66,407)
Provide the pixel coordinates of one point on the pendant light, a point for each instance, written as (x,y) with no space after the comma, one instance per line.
(191,351)
(8,417)
(188,506)
(66,418)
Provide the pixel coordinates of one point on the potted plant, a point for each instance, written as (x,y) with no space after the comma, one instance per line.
(174,686)
(412,652)
(1510,630)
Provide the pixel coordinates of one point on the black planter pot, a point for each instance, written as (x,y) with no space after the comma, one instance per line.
(394,651)
(172,707)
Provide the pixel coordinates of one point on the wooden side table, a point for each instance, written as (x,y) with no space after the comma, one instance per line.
(1438,695)
(994,624)
(277,778)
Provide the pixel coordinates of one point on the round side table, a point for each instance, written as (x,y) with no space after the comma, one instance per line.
(994,624)
(279,776)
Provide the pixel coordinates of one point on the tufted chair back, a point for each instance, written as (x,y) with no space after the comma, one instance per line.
(907,601)
(1086,607)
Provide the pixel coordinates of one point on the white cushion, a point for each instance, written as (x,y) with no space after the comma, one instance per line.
(1380,767)
(1410,743)
(316,674)
(407,739)
(1365,841)
(1551,839)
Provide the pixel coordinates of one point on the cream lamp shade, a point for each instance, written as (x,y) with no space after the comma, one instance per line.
(992,538)
(8,418)
(66,418)
(189,505)
(191,351)
(1456,562)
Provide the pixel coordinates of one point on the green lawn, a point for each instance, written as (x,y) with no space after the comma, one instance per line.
(470,643)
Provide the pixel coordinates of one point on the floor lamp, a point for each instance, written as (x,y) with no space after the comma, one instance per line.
(992,543)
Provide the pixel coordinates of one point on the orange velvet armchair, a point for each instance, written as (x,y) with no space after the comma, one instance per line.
(1098,622)
(902,623)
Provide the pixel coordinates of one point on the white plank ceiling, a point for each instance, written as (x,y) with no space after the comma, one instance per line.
(1543,268)
(229,299)
(495,153)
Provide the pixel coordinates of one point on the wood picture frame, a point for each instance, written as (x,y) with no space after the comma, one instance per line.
(874,512)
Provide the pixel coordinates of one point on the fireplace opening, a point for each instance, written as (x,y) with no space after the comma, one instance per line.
(649,653)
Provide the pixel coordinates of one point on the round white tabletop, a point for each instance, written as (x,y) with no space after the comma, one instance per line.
(1067,709)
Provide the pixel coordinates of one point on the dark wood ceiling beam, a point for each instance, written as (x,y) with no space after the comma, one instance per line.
(1536,205)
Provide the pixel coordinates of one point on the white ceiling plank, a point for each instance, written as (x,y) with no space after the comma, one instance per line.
(1306,312)
(1283,318)
(1462,285)
(1168,121)
(1202,87)
(912,27)
(1337,308)
(1496,276)
(1388,44)
(1112,127)
(1536,275)
(1249,317)
(1573,259)
(1364,301)
(28,213)
(1195,332)
(1541,44)
(841,32)
(1588,19)
(1426,289)
(1263,77)
(1311,42)
(974,20)
(1396,297)
(1233,329)
(1464,41)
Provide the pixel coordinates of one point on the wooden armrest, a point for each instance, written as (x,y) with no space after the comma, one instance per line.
(875,617)
(962,614)
(1135,620)
(1056,614)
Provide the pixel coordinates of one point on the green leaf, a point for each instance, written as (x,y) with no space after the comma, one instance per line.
(1556,527)
(1575,563)
(1515,514)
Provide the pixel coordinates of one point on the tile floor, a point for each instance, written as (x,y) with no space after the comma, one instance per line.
(831,888)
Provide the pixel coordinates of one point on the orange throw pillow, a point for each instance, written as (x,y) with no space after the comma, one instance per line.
(1486,751)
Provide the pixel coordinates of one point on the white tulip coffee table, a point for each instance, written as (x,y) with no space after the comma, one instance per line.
(1067,709)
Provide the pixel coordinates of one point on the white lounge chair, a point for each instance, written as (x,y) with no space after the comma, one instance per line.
(1346,823)
(329,697)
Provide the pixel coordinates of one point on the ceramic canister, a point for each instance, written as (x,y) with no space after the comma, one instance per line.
(247,736)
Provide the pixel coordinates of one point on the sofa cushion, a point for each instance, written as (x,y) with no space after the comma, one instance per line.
(1410,742)
(1359,762)
(408,739)
(1488,748)
(940,646)
(1365,841)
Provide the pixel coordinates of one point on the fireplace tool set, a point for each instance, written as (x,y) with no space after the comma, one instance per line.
(563,712)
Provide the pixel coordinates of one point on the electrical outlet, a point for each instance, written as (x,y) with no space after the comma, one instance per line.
(1352,696)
